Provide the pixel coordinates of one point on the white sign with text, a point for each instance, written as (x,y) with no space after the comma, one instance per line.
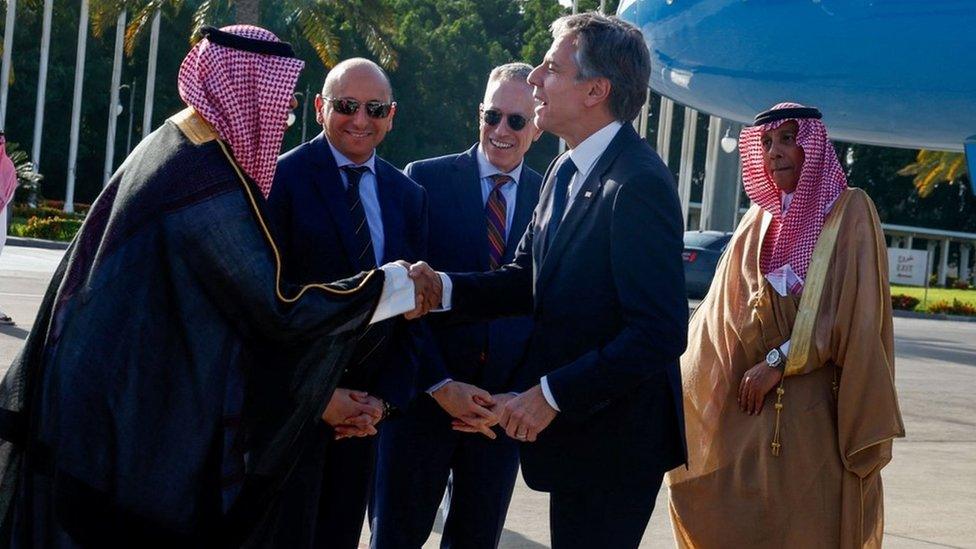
(907,267)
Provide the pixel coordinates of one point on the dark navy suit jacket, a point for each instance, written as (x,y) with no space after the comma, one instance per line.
(482,353)
(610,322)
(308,205)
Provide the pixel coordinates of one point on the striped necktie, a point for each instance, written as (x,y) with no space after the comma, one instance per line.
(371,340)
(496,214)
(366,258)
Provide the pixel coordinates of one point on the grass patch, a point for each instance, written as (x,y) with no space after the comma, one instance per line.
(935,295)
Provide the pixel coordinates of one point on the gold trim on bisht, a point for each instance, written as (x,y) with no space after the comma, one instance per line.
(198,131)
(802,336)
(193,126)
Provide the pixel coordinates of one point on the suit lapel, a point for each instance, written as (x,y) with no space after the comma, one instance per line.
(328,181)
(589,194)
(524,204)
(471,207)
(393,222)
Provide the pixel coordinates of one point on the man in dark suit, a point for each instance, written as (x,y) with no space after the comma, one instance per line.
(340,209)
(480,202)
(600,271)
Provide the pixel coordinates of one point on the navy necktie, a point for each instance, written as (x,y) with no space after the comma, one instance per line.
(559,197)
(366,259)
(371,339)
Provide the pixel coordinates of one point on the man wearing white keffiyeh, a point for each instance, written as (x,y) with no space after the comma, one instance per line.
(799,304)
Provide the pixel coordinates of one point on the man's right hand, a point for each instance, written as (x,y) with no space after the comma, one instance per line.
(352,413)
(468,404)
(427,287)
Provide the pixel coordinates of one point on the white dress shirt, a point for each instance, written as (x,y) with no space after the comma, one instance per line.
(367,195)
(509,190)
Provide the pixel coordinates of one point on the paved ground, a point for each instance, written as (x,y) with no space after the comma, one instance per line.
(930,487)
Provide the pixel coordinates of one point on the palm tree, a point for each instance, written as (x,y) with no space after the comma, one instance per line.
(42,82)
(933,167)
(69,193)
(103,11)
(371,19)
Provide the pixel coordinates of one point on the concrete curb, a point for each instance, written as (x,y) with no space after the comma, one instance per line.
(36,243)
(933,316)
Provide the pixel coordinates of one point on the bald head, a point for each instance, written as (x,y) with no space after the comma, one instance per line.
(356,108)
(355,69)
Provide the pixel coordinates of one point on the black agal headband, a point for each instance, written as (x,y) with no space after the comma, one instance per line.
(243,43)
(787,113)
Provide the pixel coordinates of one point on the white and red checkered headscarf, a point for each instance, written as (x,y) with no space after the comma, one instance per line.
(790,238)
(245,96)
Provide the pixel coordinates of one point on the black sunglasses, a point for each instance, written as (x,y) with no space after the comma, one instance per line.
(348,107)
(493,118)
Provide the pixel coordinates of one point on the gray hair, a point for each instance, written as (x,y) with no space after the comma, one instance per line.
(611,48)
(511,71)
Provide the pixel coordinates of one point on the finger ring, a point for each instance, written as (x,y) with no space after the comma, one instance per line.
(520,436)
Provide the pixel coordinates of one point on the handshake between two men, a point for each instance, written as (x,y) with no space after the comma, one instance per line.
(522,416)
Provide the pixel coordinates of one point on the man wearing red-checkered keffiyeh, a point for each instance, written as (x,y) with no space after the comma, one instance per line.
(128,418)
(790,404)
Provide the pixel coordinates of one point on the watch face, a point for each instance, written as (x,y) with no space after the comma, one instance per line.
(773,357)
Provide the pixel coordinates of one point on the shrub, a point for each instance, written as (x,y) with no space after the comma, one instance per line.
(961,284)
(955,308)
(59,205)
(51,228)
(904,302)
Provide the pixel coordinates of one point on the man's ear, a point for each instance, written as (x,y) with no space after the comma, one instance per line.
(598,92)
(392,114)
(319,103)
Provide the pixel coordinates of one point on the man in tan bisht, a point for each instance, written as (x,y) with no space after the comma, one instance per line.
(788,379)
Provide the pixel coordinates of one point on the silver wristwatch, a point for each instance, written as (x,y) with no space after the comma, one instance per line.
(775,359)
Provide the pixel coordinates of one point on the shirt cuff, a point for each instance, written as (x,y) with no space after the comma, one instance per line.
(398,294)
(785,348)
(436,386)
(548,394)
(446,287)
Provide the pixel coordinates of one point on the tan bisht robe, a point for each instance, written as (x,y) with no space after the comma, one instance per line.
(824,487)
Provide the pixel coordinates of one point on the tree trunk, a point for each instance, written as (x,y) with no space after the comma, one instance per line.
(248,12)
(113,102)
(69,192)
(151,77)
(42,84)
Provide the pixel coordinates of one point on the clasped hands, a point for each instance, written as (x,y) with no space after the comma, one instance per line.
(428,288)
(353,413)
(474,410)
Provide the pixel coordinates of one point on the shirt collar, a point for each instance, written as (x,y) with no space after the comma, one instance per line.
(586,153)
(487,169)
(342,161)
(785,199)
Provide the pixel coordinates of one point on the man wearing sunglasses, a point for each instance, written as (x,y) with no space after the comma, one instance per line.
(599,268)
(340,209)
(480,201)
